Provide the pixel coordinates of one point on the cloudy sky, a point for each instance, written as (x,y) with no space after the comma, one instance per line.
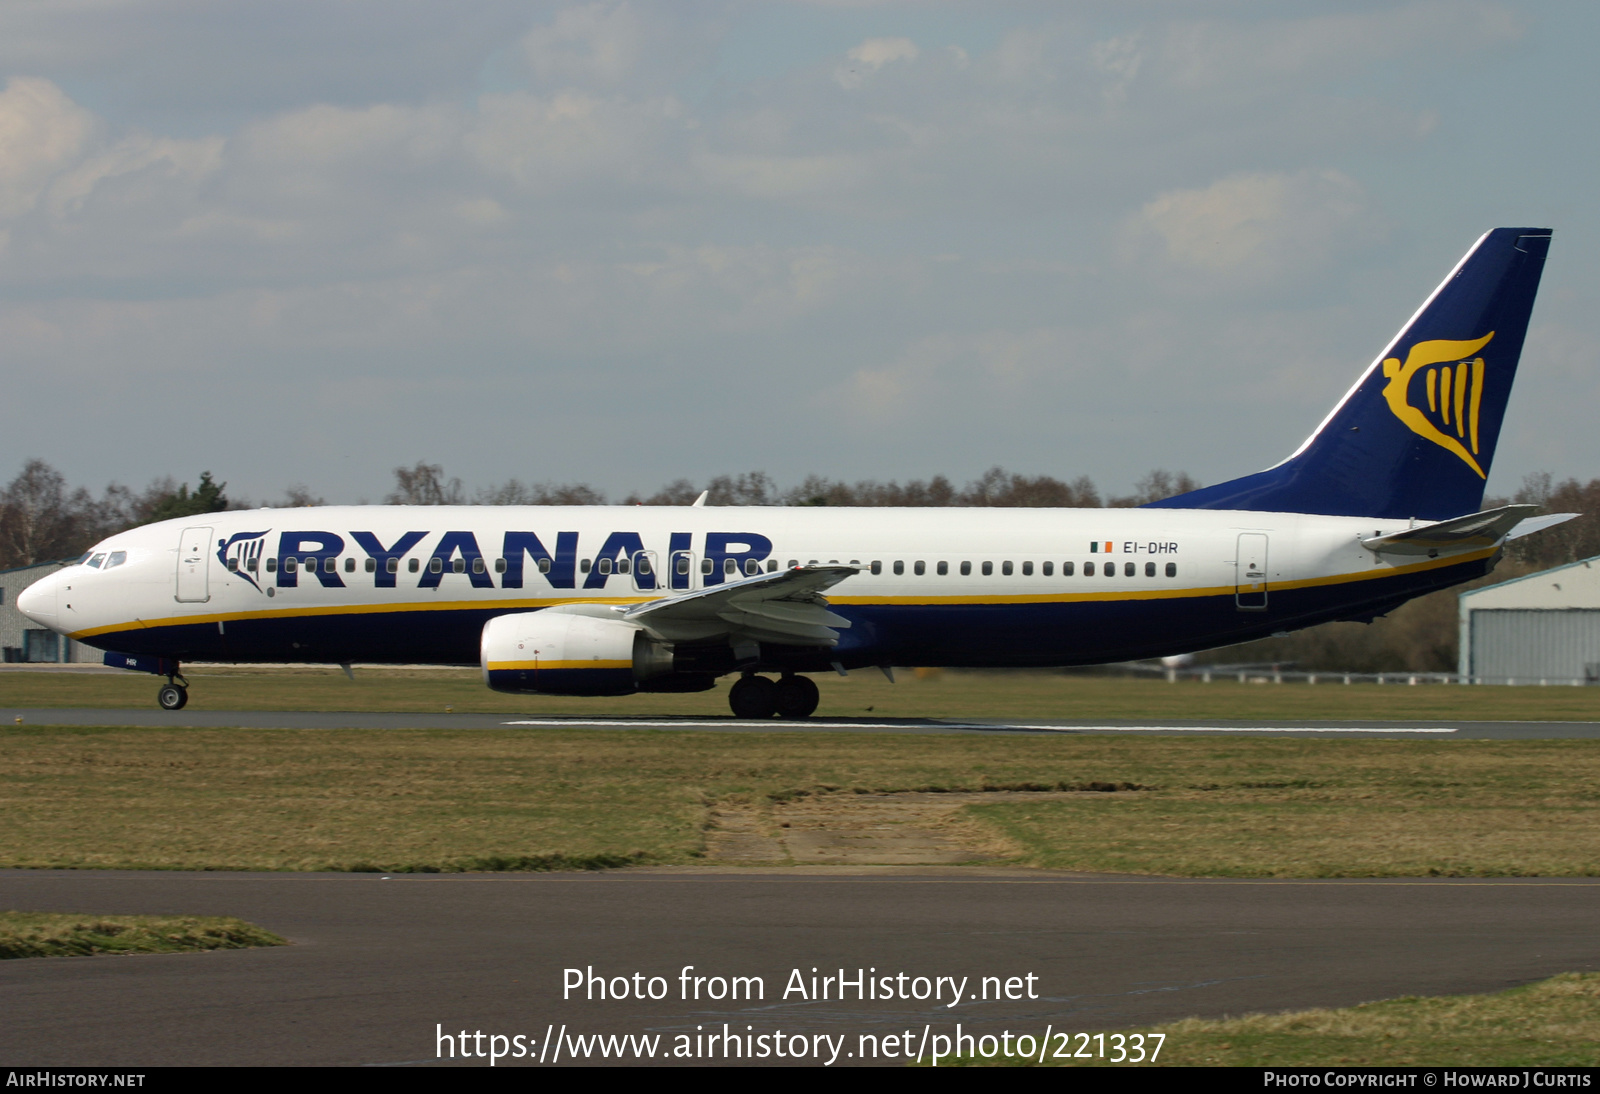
(627,242)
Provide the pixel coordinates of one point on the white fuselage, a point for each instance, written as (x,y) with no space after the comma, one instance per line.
(982,586)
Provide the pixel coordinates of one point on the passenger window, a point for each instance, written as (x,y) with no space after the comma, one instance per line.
(500,565)
(1005,569)
(392,566)
(458,565)
(436,565)
(1149,569)
(289,564)
(899,567)
(1128,569)
(272,566)
(793,562)
(877,566)
(1045,568)
(1027,569)
(233,565)
(752,567)
(772,565)
(603,565)
(966,569)
(1172,569)
(730,568)
(350,564)
(920,568)
(252,564)
(544,566)
(988,569)
(1088,569)
(311,564)
(583,566)
(413,565)
(372,565)
(97,560)
(683,565)
(642,565)
(944,568)
(1067,569)
(477,566)
(705,566)
(623,565)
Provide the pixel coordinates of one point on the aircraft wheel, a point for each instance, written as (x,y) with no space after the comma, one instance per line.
(753,697)
(797,697)
(172,697)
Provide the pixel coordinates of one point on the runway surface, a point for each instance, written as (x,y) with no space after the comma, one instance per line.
(379,964)
(259,719)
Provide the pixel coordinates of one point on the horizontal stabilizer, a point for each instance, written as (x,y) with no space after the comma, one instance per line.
(1473,530)
(1539,524)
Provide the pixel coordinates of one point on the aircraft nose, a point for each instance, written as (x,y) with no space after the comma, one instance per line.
(38,601)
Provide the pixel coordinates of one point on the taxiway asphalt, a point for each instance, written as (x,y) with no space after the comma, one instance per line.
(264,719)
(380,965)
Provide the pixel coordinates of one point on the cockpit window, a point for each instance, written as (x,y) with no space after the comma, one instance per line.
(96,560)
(117,559)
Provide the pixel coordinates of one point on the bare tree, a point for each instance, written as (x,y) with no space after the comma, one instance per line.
(750,488)
(676,492)
(424,484)
(1158,485)
(299,496)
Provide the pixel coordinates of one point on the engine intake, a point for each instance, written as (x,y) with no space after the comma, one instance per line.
(559,653)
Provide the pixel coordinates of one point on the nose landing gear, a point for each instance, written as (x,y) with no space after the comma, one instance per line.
(756,697)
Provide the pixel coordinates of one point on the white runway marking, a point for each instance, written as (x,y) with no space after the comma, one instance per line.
(640,723)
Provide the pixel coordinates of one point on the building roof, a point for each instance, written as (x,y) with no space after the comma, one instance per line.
(1575,585)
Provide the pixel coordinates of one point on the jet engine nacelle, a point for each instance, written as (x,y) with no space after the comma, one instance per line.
(561,653)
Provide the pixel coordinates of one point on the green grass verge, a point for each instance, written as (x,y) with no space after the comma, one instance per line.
(54,934)
(397,800)
(1551,1023)
(929,694)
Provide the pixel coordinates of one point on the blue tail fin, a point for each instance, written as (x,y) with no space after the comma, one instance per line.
(1416,435)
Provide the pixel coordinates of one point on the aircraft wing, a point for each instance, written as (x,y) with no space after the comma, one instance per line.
(1473,530)
(786,608)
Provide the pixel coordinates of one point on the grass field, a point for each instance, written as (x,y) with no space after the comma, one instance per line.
(554,798)
(55,934)
(946,694)
(1552,1023)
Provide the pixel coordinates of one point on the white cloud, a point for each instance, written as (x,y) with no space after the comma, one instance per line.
(870,56)
(1238,53)
(1250,230)
(594,43)
(573,136)
(42,133)
(169,162)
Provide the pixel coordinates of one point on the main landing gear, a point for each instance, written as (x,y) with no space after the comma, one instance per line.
(792,697)
(173,695)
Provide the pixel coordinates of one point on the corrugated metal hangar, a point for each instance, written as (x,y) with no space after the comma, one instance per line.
(1543,628)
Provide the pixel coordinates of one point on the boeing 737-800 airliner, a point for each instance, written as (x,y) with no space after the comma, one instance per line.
(1379,505)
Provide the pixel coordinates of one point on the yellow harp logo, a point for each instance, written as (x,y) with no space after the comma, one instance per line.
(1454,392)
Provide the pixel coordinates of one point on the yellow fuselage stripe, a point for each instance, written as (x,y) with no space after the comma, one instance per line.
(551,666)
